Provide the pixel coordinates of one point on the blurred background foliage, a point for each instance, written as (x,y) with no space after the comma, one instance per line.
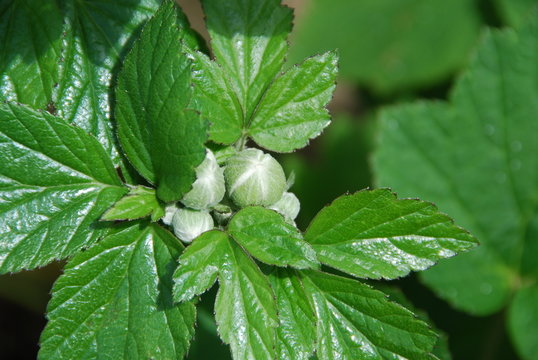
(392,51)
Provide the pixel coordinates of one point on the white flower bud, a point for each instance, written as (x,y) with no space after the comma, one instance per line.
(208,189)
(254,178)
(169,212)
(288,206)
(189,224)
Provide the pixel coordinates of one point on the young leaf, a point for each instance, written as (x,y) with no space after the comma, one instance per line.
(251,52)
(215,99)
(199,265)
(163,140)
(94,39)
(268,237)
(476,158)
(296,334)
(394,49)
(523,317)
(115,300)
(55,181)
(138,203)
(371,234)
(292,110)
(28,72)
(355,321)
(245,307)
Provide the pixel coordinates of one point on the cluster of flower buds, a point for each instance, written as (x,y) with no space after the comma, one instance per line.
(248,178)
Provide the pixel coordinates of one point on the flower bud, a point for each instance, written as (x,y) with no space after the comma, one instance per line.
(189,224)
(254,178)
(169,212)
(288,206)
(208,189)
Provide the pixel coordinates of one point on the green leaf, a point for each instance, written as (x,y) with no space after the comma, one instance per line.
(115,300)
(292,110)
(387,44)
(30,45)
(517,12)
(296,334)
(245,307)
(163,140)
(138,203)
(476,159)
(268,237)
(215,99)
(249,51)
(523,317)
(371,234)
(55,181)
(199,265)
(94,40)
(355,321)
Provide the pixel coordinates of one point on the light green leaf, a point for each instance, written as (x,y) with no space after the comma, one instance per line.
(268,237)
(389,45)
(476,159)
(94,41)
(199,265)
(292,110)
(296,334)
(215,99)
(523,317)
(371,234)
(249,51)
(355,321)
(516,12)
(115,301)
(245,307)
(55,181)
(163,140)
(30,45)
(138,203)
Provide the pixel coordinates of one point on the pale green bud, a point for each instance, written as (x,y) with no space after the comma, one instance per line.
(254,178)
(288,206)
(189,224)
(208,189)
(169,212)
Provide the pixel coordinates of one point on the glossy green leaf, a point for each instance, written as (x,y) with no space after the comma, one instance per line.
(371,234)
(389,45)
(245,307)
(199,265)
(115,301)
(476,159)
(523,317)
(269,238)
(138,203)
(248,39)
(55,181)
(296,334)
(30,47)
(215,99)
(516,12)
(94,41)
(292,110)
(355,321)
(163,140)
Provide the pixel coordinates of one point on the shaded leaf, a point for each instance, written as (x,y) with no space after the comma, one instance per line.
(268,237)
(371,234)
(115,300)
(55,181)
(476,158)
(522,319)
